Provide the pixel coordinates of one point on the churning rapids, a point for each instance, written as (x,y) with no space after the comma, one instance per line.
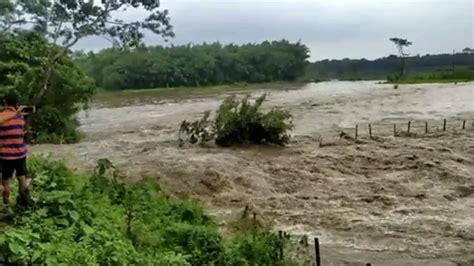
(406,200)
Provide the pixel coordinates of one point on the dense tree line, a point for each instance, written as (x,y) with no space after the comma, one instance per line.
(383,67)
(195,65)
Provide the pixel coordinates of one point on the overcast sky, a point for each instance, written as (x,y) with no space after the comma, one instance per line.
(330,28)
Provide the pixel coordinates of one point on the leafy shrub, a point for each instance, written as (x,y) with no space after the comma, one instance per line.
(78,220)
(50,126)
(23,60)
(240,122)
(262,249)
(202,244)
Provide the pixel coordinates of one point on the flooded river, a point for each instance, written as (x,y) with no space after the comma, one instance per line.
(389,201)
(316,107)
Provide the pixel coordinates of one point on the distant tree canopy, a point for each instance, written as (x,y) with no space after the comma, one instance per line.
(195,65)
(383,67)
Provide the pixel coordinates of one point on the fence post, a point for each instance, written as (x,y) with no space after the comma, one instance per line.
(426,127)
(357,132)
(316,249)
(464,124)
(370,130)
(394,130)
(409,126)
(444,124)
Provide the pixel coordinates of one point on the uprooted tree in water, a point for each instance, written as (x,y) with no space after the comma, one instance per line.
(239,122)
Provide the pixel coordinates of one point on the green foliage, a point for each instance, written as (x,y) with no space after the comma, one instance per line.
(400,43)
(78,220)
(23,57)
(195,65)
(51,126)
(458,75)
(240,122)
(348,69)
(36,61)
(255,248)
(68,21)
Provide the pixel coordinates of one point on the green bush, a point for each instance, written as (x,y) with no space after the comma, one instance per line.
(241,122)
(23,60)
(99,220)
(50,126)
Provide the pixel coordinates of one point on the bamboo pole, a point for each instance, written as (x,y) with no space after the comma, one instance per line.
(464,124)
(409,126)
(394,130)
(426,127)
(370,130)
(444,124)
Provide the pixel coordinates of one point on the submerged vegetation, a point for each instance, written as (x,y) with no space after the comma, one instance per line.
(240,122)
(99,220)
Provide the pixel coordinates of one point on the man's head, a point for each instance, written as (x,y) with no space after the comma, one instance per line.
(11,98)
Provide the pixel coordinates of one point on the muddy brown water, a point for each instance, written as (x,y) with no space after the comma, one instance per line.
(388,201)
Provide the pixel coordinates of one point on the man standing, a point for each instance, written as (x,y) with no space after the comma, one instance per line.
(13,149)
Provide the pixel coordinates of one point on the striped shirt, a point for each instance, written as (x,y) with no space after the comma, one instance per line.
(12,136)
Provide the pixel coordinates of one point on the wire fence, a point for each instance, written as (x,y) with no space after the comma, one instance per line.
(363,132)
(408,128)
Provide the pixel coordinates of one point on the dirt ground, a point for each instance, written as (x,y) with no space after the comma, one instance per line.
(406,200)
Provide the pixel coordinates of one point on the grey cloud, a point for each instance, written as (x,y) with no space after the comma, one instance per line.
(332,29)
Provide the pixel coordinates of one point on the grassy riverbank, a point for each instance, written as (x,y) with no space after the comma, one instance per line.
(447,76)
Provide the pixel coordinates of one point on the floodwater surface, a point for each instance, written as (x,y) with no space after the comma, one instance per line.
(405,200)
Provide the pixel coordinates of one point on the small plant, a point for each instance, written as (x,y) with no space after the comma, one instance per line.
(240,122)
